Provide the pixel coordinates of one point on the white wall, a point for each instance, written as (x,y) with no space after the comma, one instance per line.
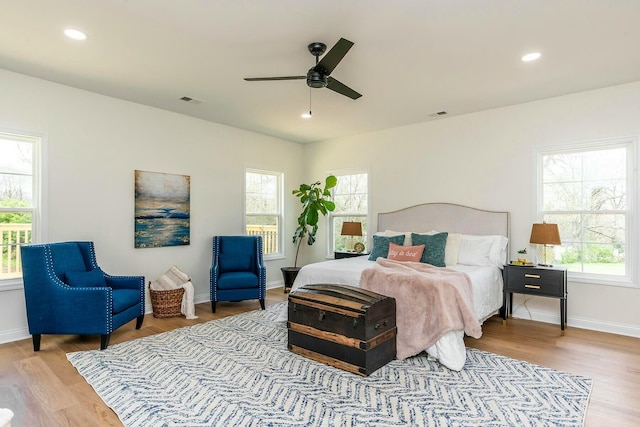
(94,145)
(486,160)
(483,160)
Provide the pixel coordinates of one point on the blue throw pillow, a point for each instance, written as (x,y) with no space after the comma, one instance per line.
(434,245)
(86,279)
(381,245)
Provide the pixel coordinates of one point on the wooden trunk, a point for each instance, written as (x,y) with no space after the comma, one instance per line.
(343,326)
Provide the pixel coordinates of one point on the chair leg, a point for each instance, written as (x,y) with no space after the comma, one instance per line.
(36,341)
(139,321)
(262,303)
(104,341)
(213,306)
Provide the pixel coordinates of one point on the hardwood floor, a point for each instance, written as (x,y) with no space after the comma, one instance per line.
(43,389)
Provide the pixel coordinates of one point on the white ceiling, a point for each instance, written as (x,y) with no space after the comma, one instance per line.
(411,58)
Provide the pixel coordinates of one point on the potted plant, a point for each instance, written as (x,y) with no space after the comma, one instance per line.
(522,255)
(315,201)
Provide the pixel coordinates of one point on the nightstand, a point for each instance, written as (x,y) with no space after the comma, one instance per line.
(541,281)
(342,254)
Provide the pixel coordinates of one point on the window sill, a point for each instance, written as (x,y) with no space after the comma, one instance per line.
(622,282)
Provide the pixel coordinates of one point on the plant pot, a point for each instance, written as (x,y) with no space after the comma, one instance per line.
(289,274)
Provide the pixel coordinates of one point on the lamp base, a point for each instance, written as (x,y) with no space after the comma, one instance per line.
(542,258)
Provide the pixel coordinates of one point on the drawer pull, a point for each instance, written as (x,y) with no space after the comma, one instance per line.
(532,286)
(532,276)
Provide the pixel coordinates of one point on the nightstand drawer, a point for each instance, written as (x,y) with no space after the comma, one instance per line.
(536,281)
(532,286)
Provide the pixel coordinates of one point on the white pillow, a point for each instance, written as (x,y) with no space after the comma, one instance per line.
(407,236)
(452,247)
(475,252)
(496,248)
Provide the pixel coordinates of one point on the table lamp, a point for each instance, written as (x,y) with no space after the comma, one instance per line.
(351,229)
(545,234)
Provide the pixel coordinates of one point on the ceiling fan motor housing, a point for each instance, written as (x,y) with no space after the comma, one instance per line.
(316,79)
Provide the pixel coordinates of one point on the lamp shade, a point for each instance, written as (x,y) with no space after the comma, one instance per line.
(545,234)
(351,229)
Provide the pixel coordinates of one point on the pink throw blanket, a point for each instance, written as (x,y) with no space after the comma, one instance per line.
(430,301)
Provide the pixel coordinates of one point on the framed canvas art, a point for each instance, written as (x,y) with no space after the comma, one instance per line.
(162,209)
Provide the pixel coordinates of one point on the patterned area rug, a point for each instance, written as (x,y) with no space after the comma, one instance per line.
(237,371)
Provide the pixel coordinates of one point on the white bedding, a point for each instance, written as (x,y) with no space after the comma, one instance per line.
(449,349)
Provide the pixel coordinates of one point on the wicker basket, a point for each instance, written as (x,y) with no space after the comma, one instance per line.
(166,303)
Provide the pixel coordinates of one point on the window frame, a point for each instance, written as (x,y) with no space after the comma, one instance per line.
(280,200)
(38,210)
(629,279)
(330,247)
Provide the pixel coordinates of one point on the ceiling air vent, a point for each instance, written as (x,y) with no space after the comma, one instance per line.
(437,114)
(191,100)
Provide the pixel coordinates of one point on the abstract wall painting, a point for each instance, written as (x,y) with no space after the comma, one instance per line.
(162,209)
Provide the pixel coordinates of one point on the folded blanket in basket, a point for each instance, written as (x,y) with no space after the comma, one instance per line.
(187,308)
(171,279)
(174,278)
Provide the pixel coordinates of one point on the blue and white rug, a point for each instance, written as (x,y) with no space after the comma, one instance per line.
(237,371)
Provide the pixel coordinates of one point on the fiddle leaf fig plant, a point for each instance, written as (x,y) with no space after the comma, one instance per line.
(315,200)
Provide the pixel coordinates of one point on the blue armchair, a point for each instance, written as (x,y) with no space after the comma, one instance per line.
(237,272)
(67,293)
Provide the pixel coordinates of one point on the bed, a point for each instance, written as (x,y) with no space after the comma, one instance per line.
(477,245)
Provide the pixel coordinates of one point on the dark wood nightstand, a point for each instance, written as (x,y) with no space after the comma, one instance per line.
(341,254)
(541,281)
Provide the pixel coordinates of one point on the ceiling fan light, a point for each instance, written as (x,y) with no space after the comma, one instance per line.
(531,56)
(75,34)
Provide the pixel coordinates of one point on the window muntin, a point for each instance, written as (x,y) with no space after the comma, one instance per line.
(19,200)
(587,191)
(351,196)
(263,208)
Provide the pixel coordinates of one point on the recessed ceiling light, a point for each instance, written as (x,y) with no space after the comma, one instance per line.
(75,34)
(531,56)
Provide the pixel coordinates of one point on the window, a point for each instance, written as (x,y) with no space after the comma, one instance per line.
(588,191)
(263,190)
(19,200)
(351,197)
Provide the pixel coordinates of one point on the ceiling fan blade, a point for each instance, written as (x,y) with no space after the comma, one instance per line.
(333,57)
(264,79)
(342,89)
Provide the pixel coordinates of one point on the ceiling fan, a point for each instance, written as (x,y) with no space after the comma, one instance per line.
(318,75)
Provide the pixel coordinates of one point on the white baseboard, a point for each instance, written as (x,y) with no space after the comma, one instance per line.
(275,284)
(205,297)
(578,322)
(14,335)
(521,313)
(23,333)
